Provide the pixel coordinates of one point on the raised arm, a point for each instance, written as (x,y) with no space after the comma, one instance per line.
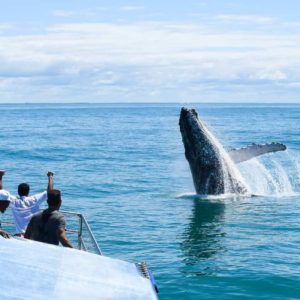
(2,173)
(50,181)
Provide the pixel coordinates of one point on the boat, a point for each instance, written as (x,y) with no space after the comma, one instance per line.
(35,270)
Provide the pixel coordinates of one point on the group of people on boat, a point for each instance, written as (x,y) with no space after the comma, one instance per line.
(46,226)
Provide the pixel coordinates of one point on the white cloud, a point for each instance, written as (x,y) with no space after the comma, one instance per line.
(273,75)
(63,13)
(293,84)
(131,8)
(71,13)
(4,27)
(145,61)
(245,19)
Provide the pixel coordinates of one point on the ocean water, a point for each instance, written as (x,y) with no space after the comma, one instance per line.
(123,167)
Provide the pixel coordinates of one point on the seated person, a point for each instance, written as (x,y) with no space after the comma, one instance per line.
(24,206)
(49,226)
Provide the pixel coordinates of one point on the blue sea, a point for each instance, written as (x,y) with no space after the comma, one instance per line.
(123,167)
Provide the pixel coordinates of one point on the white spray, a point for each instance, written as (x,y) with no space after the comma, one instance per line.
(228,166)
(270,176)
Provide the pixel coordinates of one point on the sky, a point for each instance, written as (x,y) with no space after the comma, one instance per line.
(150,51)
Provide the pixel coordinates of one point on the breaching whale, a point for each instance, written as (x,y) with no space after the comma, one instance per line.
(213,168)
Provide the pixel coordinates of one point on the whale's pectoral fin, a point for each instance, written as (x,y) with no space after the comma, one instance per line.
(253,150)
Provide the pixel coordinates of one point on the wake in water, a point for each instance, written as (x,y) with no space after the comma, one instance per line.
(212,197)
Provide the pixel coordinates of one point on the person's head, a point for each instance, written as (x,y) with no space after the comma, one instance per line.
(4,200)
(4,204)
(23,189)
(54,199)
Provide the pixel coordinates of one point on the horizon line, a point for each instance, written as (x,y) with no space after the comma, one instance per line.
(181,103)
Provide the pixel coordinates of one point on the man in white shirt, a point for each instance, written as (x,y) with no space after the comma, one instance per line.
(24,206)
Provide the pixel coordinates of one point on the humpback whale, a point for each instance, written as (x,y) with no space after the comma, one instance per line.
(213,168)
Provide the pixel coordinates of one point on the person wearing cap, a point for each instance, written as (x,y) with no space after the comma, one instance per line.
(49,226)
(24,206)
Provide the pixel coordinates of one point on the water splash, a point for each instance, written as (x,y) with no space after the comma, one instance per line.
(193,196)
(227,165)
(273,174)
(298,170)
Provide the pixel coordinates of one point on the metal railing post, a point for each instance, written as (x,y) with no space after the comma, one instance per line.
(80,232)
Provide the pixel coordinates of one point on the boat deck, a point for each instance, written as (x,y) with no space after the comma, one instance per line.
(34,270)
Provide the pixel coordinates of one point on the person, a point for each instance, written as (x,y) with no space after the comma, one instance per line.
(4,195)
(4,203)
(49,226)
(24,206)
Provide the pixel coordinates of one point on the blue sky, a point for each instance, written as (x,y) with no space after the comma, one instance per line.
(150,51)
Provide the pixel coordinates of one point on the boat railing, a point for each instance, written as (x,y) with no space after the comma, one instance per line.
(78,231)
(86,240)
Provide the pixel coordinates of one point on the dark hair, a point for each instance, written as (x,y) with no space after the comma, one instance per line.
(23,189)
(4,205)
(54,198)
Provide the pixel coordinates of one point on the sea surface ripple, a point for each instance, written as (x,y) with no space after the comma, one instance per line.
(123,167)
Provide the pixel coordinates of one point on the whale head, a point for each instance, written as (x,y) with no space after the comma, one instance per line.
(209,162)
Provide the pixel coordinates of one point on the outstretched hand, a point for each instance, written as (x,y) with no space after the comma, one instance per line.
(50,173)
